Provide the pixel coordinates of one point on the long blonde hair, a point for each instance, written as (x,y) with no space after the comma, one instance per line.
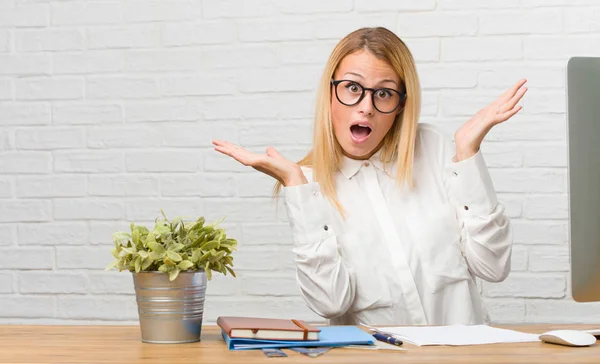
(326,154)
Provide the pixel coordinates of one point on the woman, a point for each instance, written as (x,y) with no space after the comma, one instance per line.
(391,221)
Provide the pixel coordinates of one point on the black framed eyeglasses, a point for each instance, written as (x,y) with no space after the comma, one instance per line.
(385,100)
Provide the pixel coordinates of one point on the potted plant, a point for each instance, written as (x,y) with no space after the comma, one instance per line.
(171,264)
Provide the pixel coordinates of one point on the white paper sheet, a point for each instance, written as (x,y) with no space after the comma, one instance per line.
(377,346)
(456,335)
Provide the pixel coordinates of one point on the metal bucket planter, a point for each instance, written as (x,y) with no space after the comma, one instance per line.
(170,312)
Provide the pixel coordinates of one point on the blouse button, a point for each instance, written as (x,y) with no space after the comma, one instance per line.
(326,227)
(315,193)
(466,207)
(456,174)
(366,164)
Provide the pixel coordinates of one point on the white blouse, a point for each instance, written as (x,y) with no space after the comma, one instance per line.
(401,256)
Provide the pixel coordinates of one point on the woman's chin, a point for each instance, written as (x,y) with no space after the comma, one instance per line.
(358,152)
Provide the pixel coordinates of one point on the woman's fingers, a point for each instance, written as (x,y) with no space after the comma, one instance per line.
(245,157)
(218,143)
(510,104)
(241,155)
(508,94)
(227,151)
(229,148)
(272,152)
(272,163)
(226,144)
(510,108)
(509,114)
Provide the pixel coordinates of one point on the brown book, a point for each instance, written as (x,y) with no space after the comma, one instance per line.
(267,328)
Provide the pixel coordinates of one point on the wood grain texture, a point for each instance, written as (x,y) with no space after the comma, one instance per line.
(121,344)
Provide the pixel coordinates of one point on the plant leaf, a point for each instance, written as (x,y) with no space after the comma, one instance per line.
(176,247)
(218,221)
(120,237)
(147,263)
(138,264)
(229,242)
(135,236)
(167,240)
(150,238)
(112,264)
(198,225)
(161,229)
(217,266)
(163,214)
(208,272)
(186,242)
(230,271)
(228,259)
(204,257)
(185,265)
(173,274)
(210,245)
(128,250)
(180,229)
(217,257)
(157,256)
(156,247)
(174,256)
(196,255)
(211,235)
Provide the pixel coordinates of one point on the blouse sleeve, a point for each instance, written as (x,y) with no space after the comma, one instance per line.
(486,233)
(326,283)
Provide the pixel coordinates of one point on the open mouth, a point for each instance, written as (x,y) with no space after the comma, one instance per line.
(360,133)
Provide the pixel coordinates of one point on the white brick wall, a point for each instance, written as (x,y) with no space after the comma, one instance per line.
(107,110)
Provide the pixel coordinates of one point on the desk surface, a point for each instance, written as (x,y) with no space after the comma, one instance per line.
(121,344)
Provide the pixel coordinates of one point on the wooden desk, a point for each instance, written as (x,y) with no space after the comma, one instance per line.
(121,344)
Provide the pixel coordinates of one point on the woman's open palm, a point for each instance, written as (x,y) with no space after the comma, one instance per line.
(272,163)
(469,136)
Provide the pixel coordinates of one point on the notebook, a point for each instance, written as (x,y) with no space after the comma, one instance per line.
(329,336)
(457,335)
(267,328)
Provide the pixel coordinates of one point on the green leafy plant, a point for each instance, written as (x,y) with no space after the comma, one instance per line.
(174,246)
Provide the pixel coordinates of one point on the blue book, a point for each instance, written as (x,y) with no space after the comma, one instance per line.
(329,336)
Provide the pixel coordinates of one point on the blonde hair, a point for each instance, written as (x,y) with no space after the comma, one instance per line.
(398,144)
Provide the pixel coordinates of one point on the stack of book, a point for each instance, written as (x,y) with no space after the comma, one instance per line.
(246,333)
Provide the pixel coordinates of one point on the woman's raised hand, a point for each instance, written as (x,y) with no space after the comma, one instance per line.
(469,136)
(272,163)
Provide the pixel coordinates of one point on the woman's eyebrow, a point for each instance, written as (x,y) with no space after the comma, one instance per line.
(388,80)
(361,76)
(355,74)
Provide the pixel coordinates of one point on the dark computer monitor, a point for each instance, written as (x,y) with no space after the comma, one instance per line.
(583,140)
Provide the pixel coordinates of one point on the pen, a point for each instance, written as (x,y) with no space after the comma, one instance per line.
(387,338)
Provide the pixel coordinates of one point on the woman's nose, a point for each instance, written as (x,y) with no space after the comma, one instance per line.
(365,106)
